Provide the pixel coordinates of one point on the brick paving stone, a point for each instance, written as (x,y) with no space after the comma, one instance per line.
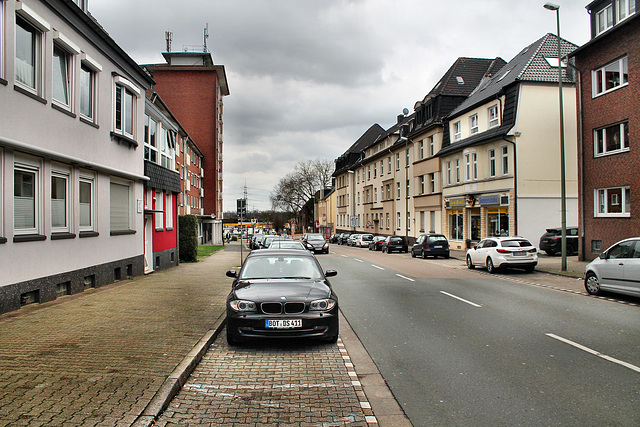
(268,383)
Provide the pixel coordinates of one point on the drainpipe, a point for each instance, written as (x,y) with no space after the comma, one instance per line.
(515,185)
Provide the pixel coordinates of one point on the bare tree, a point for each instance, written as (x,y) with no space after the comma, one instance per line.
(294,190)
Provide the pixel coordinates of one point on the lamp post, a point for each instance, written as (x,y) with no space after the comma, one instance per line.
(563,194)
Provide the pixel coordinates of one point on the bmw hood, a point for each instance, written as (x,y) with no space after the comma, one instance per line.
(275,289)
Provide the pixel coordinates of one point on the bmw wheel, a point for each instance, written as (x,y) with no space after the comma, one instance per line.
(470,265)
(592,284)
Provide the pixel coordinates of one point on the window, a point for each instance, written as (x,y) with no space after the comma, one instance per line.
(457,131)
(494,119)
(422,188)
(28,55)
(408,158)
(375,195)
(125,107)
(612,139)
(168,143)
(389,163)
(612,202)
(159,208)
(492,162)
(505,160)
(408,188)
(610,77)
(59,201)
(474,166)
(473,124)
(388,221)
(457,165)
(150,144)
(381,167)
(375,170)
(397,161)
(369,173)
(388,191)
(448,173)
(87,86)
(432,147)
(432,183)
(421,149)
(625,8)
(467,167)
(62,67)
(422,217)
(26,197)
(399,222)
(86,202)
(604,19)
(119,209)
(398,190)
(456,222)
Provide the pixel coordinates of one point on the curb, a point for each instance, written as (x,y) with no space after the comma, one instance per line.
(178,377)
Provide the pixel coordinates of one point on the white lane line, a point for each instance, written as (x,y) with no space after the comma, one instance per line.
(344,256)
(359,260)
(375,266)
(406,278)
(595,353)
(461,299)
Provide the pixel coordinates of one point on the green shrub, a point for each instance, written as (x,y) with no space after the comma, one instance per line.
(188,239)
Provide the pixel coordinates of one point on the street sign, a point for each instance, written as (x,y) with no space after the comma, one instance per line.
(242,207)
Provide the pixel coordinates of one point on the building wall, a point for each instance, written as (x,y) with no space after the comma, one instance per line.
(35,130)
(189,94)
(618,105)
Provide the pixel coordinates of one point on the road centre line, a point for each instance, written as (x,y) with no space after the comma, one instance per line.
(359,260)
(461,299)
(595,353)
(404,277)
(344,256)
(375,266)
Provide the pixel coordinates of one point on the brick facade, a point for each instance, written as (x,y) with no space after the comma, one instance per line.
(621,169)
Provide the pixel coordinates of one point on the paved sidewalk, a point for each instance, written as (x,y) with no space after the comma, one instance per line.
(98,358)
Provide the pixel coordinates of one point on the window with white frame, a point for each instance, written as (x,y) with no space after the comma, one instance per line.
(473,124)
(375,195)
(86,202)
(604,19)
(369,173)
(625,8)
(611,139)
(388,191)
(389,163)
(399,222)
(375,170)
(28,60)
(448,168)
(422,182)
(457,131)
(397,161)
(432,183)
(120,206)
(505,159)
(125,97)
(61,83)
(150,139)
(159,208)
(492,162)
(388,221)
(467,166)
(457,167)
(474,165)
(87,85)
(381,167)
(59,200)
(408,158)
(398,190)
(612,76)
(432,146)
(26,196)
(421,149)
(408,188)
(494,118)
(167,148)
(612,202)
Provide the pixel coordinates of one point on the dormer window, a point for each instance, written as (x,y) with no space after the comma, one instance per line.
(625,8)
(457,131)
(604,19)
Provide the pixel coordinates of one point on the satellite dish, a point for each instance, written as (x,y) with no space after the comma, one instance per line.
(405,111)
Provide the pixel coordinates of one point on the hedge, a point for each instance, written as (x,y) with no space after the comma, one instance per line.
(188,239)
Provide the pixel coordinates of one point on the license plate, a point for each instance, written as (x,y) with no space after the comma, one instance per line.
(283,323)
(520,253)
(437,247)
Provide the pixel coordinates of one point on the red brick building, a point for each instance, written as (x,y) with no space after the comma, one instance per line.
(193,88)
(609,138)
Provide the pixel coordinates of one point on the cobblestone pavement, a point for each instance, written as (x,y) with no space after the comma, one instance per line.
(98,358)
(269,383)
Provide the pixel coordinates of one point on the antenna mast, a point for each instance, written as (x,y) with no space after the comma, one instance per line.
(206,36)
(168,35)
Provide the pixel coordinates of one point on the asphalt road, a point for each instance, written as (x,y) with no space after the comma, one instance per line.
(462,347)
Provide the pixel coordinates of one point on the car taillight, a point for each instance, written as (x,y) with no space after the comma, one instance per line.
(503,251)
(556,238)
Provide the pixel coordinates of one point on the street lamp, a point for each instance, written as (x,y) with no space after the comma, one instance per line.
(563,194)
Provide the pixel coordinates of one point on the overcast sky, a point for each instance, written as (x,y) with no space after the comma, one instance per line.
(308,77)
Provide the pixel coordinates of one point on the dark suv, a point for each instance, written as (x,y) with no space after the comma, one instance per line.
(551,241)
(430,245)
(395,243)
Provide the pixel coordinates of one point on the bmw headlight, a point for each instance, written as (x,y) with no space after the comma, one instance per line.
(322,305)
(309,246)
(242,306)
(326,245)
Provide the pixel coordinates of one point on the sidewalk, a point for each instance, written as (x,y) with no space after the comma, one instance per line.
(547,264)
(99,358)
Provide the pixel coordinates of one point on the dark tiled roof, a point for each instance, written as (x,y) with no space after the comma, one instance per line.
(161,178)
(464,75)
(528,65)
(353,154)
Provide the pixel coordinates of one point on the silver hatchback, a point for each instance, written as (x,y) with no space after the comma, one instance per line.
(616,270)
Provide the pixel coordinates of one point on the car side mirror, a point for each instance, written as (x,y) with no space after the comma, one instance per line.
(330,273)
(475,248)
(604,255)
(232,273)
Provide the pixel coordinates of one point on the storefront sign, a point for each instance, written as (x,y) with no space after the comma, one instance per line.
(493,199)
(458,202)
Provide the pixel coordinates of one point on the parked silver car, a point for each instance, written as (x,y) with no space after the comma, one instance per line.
(497,252)
(616,270)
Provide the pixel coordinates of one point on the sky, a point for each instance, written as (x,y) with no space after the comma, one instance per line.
(308,77)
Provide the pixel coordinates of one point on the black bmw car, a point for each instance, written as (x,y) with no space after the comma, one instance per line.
(281,294)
